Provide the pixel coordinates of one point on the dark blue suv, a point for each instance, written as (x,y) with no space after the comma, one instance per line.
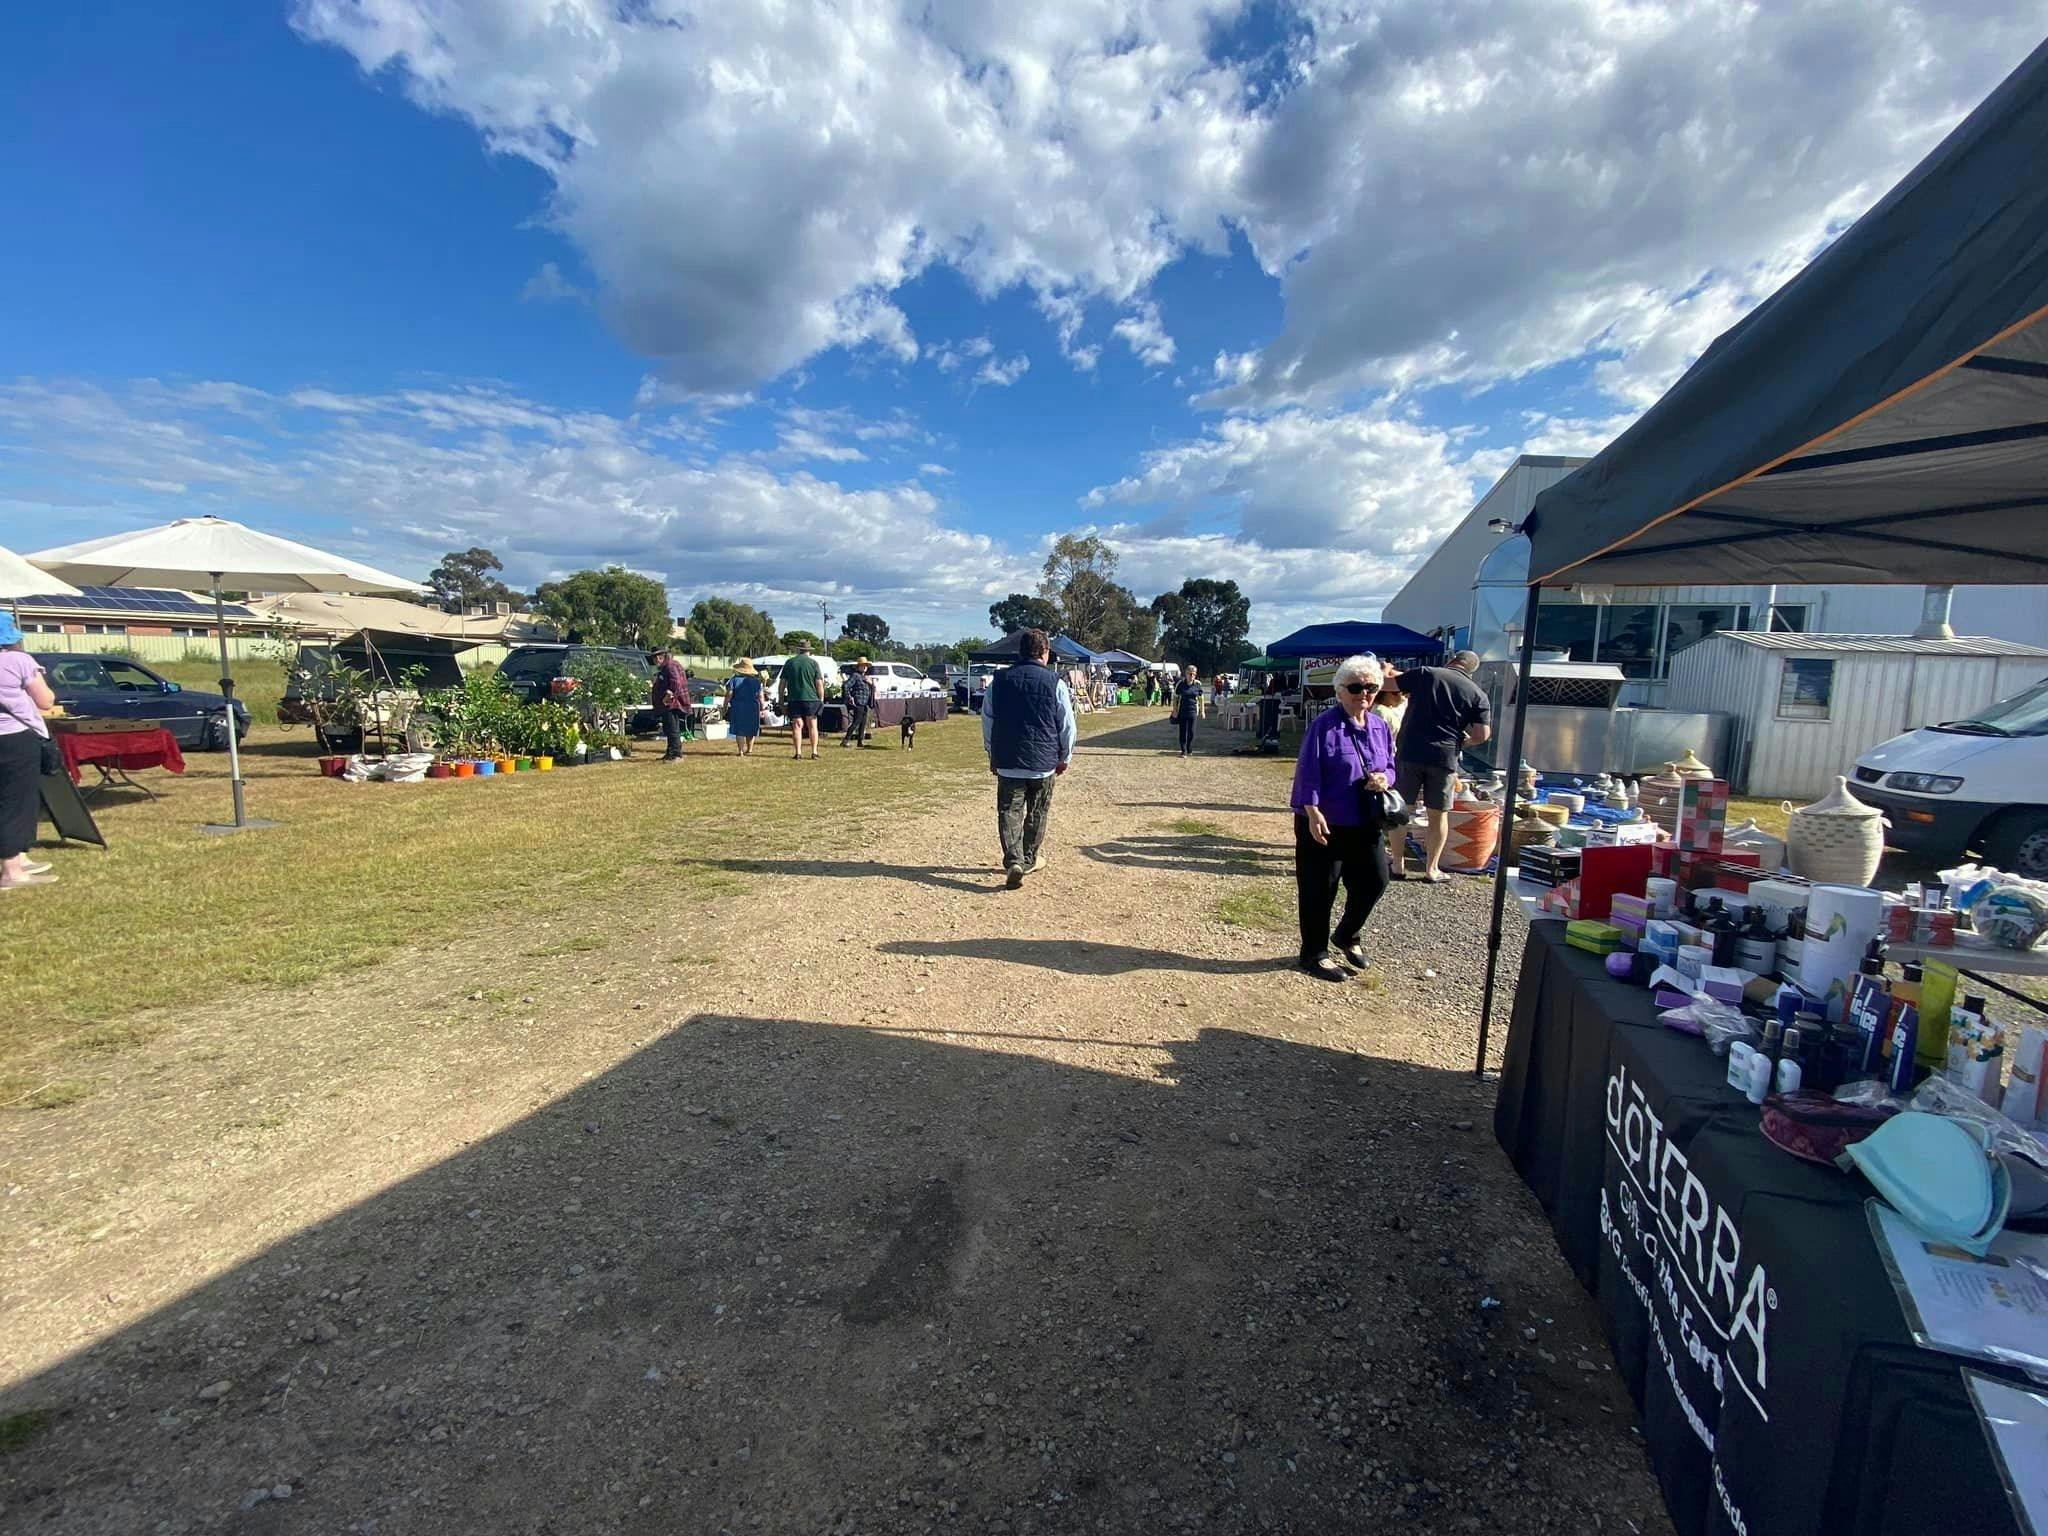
(115,688)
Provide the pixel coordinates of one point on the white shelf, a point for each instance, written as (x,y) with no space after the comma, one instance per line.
(1971,953)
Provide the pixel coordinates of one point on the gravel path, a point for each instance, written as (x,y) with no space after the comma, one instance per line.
(923,1206)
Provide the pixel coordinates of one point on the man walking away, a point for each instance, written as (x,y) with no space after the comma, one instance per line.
(857,693)
(803,693)
(1447,712)
(671,702)
(1027,726)
(1187,708)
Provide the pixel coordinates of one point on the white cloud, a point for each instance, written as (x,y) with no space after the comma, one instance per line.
(951,355)
(1478,188)
(1143,332)
(749,181)
(549,286)
(1001,373)
(401,477)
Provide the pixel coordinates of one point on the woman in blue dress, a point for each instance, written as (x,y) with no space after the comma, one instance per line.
(743,705)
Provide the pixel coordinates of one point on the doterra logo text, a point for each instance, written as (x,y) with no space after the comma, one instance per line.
(1694,1246)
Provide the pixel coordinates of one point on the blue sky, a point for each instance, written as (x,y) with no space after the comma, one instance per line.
(869,301)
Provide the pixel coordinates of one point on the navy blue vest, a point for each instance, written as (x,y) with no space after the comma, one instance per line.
(1026,734)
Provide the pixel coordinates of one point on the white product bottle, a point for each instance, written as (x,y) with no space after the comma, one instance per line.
(1790,1073)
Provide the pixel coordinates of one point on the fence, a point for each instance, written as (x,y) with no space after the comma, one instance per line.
(162,648)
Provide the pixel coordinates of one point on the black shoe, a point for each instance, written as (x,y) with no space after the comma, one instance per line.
(1013,877)
(1324,968)
(1354,955)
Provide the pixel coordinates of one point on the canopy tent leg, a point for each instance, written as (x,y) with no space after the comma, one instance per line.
(1507,823)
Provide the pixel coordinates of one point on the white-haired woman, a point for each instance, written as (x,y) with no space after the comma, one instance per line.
(1345,752)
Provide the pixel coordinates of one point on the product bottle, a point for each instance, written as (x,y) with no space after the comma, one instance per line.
(1905,991)
(1722,932)
(1773,1044)
(1869,1016)
(1761,1071)
(1965,1025)
(1757,949)
(1905,1040)
(1790,1072)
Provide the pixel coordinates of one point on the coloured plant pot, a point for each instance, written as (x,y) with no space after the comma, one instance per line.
(506,765)
(523,764)
(464,770)
(330,767)
(543,764)
(441,771)
(485,767)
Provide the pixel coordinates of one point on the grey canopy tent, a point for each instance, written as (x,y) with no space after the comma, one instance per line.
(1882,418)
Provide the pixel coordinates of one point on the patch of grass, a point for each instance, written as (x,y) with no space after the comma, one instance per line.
(686,958)
(1260,904)
(17,1429)
(58,1095)
(352,872)
(104,1039)
(1767,814)
(582,944)
(1190,826)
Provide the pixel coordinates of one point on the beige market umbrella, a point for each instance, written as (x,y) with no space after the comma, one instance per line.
(223,553)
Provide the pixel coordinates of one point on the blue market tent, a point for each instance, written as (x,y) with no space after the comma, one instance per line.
(1067,645)
(1396,642)
(1007,649)
(1124,659)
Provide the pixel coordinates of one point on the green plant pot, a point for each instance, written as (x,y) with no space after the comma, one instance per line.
(523,764)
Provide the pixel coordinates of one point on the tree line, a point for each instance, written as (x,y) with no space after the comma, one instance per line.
(1205,623)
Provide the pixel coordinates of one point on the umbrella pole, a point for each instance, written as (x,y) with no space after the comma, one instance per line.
(227,690)
(1507,823)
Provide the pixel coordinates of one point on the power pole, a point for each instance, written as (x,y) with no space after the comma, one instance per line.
(825,622)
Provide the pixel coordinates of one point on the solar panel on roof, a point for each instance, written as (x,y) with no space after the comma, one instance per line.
(149,600)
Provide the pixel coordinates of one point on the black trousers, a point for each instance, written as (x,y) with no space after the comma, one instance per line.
(21,773)
(672,728)
(1354,855)
(856,724)
(1187,728)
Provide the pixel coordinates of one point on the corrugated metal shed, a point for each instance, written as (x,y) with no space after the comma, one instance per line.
(1801,725)
(1891,645)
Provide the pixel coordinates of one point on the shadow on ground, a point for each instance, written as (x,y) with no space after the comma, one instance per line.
(945,877)
(782,1277)
(1078,957)
(1196,854)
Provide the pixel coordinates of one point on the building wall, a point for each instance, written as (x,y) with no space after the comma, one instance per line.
(1439,594)
(1875,697)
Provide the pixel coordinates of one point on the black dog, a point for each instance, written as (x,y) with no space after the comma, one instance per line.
(909,733)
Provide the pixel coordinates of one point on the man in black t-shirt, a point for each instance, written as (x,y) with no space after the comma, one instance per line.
(1447,712)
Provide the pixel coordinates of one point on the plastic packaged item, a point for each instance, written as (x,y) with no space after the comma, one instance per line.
(1942,1175)
(1938,986)
(1717,1023)
(1694,958)
(1816,1127)
(2012,915)
(1939,1096)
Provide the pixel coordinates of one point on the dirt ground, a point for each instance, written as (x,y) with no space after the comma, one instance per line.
(863,1197)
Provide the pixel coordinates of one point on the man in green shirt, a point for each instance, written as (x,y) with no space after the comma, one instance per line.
(803,693)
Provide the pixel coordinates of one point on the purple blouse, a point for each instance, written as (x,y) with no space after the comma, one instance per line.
(1335,758)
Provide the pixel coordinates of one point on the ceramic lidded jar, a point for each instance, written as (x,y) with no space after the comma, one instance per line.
(1690,767)
(1837,840)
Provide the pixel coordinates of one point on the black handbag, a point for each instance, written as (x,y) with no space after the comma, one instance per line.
(1378,809)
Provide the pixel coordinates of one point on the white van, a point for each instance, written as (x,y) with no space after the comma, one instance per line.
(770,668)
(1976,783)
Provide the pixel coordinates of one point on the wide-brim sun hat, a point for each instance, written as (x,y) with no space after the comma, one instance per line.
(744,665)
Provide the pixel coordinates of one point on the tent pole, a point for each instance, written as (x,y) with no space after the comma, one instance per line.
(227,691)
(1507,822)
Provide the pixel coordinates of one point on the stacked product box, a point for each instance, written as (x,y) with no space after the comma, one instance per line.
(1702,815)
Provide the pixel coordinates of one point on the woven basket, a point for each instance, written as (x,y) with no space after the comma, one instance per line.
(1837,840)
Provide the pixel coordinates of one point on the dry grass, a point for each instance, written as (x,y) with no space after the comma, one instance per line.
(168,914)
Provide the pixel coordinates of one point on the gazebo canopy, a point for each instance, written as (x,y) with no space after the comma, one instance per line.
(1882,418)
(1123,659)
(1350,638)
(1011,646)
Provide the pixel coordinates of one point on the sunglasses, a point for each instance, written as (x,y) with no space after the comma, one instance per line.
(1357,687)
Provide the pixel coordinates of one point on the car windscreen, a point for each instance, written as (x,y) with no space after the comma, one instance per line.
(583,657)
(2024,714)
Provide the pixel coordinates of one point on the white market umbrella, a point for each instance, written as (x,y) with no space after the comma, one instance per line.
(225,553)
(19,579)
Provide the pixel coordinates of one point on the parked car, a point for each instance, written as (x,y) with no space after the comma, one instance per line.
(115,688)
(898,679)
(829,674)
(536,672)
(1976,783)
(968,690)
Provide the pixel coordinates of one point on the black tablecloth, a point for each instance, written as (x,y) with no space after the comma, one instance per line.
(1740,1288)
(886,715)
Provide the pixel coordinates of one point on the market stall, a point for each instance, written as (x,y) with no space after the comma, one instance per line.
(1882,418)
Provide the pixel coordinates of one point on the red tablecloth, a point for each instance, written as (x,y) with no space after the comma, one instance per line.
(126,750)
